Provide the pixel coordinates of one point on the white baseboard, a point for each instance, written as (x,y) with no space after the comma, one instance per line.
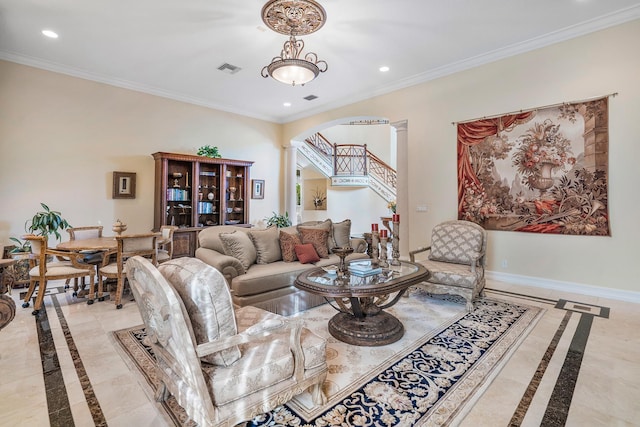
(558,285)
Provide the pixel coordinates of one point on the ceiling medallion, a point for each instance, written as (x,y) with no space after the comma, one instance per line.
(293,17)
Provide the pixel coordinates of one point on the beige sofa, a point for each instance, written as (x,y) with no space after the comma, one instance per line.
(258,264)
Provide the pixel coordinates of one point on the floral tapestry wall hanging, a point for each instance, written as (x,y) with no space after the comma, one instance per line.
(540,171)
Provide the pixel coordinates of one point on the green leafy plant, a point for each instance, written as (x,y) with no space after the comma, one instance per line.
(278,220)
(209,151)
(46,223)
(20,246)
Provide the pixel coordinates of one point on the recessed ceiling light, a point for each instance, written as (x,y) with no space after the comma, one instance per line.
(384,69)
(50,34)
(287,104)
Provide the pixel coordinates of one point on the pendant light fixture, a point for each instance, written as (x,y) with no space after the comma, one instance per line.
(294,18)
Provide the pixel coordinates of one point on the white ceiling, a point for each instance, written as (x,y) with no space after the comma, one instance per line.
(172,48)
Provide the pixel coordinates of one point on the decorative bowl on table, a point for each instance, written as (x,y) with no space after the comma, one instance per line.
(342,252)
(330,270)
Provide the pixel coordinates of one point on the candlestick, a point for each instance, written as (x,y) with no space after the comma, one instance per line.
(375,241)
(395,241)
(383,250)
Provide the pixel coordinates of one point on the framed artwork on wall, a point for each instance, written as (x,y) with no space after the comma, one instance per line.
(257,188)
(124,185)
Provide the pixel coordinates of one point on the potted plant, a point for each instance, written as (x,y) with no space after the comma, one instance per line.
(46,223)
(43,223)
(278,220)
(209,151)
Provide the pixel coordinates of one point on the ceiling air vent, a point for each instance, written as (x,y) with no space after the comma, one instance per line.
(310,97)
(229,69)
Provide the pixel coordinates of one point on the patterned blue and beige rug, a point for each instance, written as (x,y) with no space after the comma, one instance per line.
(431,377)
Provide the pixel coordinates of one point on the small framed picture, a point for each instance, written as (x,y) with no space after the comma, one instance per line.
(124,185)
(257,188)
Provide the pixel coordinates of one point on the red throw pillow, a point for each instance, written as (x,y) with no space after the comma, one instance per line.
(306,253)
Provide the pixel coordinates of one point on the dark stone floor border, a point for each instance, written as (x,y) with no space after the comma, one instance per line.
(57,397)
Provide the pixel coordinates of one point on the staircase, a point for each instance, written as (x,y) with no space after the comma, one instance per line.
(350,165)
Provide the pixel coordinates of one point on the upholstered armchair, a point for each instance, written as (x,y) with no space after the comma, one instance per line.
(223,364)
(456,260)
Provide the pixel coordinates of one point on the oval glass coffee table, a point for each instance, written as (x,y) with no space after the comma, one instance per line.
(361,301)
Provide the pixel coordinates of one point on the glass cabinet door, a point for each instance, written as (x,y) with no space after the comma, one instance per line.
(235,197)
(179,202)
(209,195)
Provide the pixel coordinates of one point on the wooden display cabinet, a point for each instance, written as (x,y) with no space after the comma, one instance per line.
(193,192)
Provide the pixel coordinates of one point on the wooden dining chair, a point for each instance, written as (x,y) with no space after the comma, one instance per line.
(128,246)
(89,257)
(45,267)
(165,249)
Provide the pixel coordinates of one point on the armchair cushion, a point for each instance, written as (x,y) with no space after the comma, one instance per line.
(456,242)
(207,300)
(238,245)
(246,376)
(267,245)
(447,273)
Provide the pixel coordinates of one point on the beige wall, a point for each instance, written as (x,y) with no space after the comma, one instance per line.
(62,137)
(594,65)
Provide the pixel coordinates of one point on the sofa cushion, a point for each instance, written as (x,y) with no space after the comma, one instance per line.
(267,244)
(340,234)
(323,225)
(306,253)
(288,243)
(238,245)
(318,238)
(207,300)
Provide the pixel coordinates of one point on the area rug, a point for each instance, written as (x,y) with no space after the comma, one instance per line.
(431,377)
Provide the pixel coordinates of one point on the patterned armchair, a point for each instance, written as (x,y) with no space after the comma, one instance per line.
(456,260)
(223,364)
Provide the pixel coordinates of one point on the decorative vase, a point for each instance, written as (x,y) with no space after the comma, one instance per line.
(543,180)
(118,227)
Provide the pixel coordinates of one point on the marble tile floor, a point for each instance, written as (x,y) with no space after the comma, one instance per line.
(580,366)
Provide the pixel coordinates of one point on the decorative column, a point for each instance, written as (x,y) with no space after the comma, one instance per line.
(402,184)
(291,153)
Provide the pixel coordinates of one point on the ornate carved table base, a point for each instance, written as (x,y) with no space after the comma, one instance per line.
(375,327)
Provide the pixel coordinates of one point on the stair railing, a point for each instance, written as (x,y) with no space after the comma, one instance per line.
(353,159)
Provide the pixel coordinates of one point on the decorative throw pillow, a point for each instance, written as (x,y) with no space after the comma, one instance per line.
(341,234)
(288,243)
(306,253)
(317,237)
(267,244)
(206,298)
(238,245)
(324,225)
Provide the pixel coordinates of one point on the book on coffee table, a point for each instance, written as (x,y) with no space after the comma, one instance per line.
(363,268)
